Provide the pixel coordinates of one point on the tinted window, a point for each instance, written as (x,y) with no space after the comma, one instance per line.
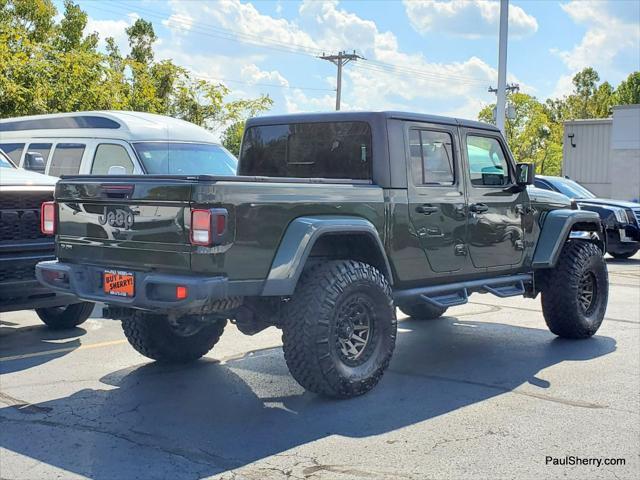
(36,157)
(572,189)
(487,162)
(5,163)
(66,159)
(308,150)
(431,157)
(13,151)
(109,155)
(186,158)
(541,184)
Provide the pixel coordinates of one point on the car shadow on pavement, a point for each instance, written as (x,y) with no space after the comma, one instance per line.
(24,347)
(155,421)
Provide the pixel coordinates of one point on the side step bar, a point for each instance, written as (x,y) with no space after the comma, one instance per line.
(448,295)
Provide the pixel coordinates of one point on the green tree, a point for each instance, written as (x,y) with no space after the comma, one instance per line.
(628,92)
(48,66)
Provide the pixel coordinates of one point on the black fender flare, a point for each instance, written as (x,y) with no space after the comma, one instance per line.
(556,229)
(297,242)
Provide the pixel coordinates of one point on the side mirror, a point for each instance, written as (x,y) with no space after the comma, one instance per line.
(34,161)
(525,174)
(117,170)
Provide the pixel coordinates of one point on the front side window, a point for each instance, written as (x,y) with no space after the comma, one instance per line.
(308,150)
(431,157)
(66,159)
(13,151)
(174,158)
(488,164)
(5,163)
(36,157)
(111,155)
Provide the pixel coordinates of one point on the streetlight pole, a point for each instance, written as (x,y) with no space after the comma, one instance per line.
(502,64)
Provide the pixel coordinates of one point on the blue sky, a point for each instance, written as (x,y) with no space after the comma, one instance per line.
(427,56)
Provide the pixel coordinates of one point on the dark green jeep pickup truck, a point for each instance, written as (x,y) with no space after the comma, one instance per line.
(333,221)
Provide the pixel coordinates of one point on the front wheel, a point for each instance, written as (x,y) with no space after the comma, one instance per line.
(423,311)
(623,255)
(339,330)
(66,316)
(574,298)
(155,337)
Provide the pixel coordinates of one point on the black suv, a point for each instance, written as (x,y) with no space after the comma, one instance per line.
(22,245)
(621,219)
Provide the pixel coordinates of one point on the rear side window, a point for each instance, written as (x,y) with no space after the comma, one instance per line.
(308,150)
(431,157)
(66,159)
(13,151)
(110,155)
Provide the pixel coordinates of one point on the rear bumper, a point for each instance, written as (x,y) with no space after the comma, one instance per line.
(153,291)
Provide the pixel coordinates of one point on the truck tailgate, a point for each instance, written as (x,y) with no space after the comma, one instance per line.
(125,221)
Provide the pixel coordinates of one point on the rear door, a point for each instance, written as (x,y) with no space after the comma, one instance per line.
(436,195)
(495,228)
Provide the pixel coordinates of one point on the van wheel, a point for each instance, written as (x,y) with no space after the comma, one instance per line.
(574,298)
(423,311)
(66,316)
(154,337)
(339,329)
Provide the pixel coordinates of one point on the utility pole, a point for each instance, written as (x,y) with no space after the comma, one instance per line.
(340,60)
(502,64)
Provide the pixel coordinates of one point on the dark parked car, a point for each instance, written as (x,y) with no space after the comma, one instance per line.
(22,245)
(621,219)
(334,220)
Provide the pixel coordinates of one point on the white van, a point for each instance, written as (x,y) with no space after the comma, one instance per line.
(113,142)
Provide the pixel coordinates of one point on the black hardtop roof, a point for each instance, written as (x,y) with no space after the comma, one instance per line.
(367,117)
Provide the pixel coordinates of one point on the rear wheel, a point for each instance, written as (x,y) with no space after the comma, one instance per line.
(155,337)
(66,316)
(339,330)
(622,255)
(423,311)
(574,298)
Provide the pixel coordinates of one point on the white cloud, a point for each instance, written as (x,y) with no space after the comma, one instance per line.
(467,18)
(612,30)
(418,84)
(112,28)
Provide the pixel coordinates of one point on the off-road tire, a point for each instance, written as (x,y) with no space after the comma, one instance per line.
(152,336)
(564,314)
(623,255)
(310,328)
(423,311)
(67,316)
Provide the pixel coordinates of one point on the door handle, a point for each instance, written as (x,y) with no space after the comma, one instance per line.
(426,209)
(478,208)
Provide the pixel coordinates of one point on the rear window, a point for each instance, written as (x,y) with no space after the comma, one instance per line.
(308,150)
(66,159)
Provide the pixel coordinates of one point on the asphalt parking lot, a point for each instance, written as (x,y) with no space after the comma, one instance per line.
(485,392)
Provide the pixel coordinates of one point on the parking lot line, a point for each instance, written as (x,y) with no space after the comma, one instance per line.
(62,350)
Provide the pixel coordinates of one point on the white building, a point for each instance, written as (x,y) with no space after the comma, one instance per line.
(603,154)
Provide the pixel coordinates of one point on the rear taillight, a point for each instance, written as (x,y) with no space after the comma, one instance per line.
(48,218)
(208,226)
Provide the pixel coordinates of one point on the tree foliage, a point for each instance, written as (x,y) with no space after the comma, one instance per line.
(49,66)
(535,134)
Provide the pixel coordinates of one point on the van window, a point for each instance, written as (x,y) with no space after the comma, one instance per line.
(66,159)
(36,157)
(13,151)
(185,158)
(109,155)
(308,150)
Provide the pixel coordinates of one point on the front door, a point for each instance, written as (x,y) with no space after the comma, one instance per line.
(436,195)
(495,235)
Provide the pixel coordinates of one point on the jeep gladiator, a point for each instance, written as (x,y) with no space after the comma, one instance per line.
(333,221)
